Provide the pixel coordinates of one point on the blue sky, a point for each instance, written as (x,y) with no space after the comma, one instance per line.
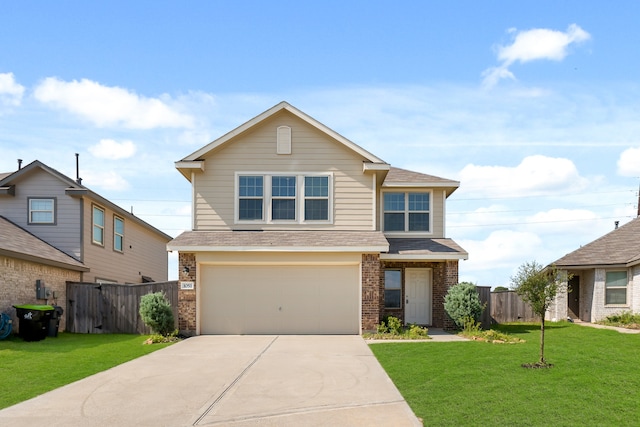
(533,105)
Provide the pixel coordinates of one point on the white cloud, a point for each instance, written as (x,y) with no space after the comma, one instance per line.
(531,45)
(113,150)
(533,176)
(629,162)
(501,249)
(109,180)
(110,106)
(10,91)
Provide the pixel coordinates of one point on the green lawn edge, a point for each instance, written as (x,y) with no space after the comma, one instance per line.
(594,380)
(28,369)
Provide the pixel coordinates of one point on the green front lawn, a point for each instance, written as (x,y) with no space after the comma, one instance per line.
(28,369)
(595,379)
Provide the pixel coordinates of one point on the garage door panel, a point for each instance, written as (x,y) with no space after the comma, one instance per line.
(258,299)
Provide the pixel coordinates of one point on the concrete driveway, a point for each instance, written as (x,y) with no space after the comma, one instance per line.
(231,381)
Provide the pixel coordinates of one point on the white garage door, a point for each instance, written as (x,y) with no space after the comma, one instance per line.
(282,299)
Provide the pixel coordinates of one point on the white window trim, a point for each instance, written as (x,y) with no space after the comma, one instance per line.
(53,211)
(116,234)
(625,287)
(267,198)
(93,224)
(406,214)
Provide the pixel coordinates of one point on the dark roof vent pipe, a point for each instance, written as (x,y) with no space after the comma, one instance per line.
(78,179)
(19,164)
(616,224)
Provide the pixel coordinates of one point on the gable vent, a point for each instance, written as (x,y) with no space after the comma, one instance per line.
(284,140)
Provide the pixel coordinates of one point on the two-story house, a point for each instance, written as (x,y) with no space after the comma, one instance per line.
(54,230)
(297,230)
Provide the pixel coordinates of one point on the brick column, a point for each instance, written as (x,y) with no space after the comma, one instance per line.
(187,298)
(450,279)
(371,295)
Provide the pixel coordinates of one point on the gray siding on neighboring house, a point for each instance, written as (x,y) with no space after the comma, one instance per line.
(312,152)
(65,234)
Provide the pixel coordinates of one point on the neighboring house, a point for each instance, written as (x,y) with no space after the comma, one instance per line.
(605,277)
(101,242)
(297,230)
(25,259)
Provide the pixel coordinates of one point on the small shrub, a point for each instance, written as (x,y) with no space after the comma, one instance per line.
(395,325)
(625,319)
(157,314)
(417,332)
(463,302)
(157,338)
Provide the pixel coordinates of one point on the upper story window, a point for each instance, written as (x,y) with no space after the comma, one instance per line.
(42,210)
(407,212)
(98,225)
(283,198)
(274,198)
(616,287)
(118,234)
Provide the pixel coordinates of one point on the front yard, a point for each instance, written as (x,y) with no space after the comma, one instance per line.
(594,381)
(28,369)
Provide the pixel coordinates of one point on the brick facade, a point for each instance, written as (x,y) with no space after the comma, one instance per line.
(187,298)
(444,275)
(372,293)
(18,285)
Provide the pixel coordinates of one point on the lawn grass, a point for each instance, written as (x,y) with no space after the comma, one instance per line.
(28,369)
(594,381)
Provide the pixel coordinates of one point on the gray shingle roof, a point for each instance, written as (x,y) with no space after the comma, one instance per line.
(402,176)
(19,243)
(619,247)
(426,247)
(280,240)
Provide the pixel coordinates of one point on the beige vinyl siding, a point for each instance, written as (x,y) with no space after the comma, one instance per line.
(437,208)
(255,152)
(65,233)
(144,252)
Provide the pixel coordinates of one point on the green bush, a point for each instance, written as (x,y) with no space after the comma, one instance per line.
(157,314)
(462,303)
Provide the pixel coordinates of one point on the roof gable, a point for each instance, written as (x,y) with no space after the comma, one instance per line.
(619,247)
(74,189)
(282,106)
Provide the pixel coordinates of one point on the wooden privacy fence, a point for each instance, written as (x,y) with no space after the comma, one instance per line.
(507,306)
(112,308)
(484,292)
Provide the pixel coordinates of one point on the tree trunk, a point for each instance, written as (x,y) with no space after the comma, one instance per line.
(542,340)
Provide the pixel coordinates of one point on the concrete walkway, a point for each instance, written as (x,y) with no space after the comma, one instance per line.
(613,328)
(231,381)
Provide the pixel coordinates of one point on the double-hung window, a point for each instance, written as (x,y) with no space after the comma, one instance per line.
(407,211)
(283,198)
(616,287)
(118,234)
(98,225)
(250,198)
(316,198)
(42,211)
(273,197)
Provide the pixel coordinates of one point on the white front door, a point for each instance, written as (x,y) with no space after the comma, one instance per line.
(417,296)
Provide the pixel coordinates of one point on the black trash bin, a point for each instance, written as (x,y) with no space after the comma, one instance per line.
(33,321)
(54,322)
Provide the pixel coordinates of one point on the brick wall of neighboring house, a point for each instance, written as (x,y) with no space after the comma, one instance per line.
(371,292)
(18,285)
(187,298)
(444,275)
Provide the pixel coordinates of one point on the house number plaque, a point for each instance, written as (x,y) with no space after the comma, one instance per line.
(186,286)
